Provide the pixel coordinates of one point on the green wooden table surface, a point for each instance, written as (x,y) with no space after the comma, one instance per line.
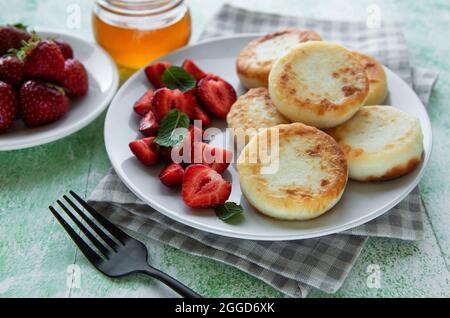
(37,259)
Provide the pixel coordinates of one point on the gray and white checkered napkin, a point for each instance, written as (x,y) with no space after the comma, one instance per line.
(291,267)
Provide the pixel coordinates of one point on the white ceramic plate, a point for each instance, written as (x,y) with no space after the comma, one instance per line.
(103,83)
(360,203)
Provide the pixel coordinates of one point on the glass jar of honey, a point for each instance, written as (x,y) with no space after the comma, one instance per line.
(136,32)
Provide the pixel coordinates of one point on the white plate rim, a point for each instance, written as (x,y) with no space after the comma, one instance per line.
(230,233)
(62,133)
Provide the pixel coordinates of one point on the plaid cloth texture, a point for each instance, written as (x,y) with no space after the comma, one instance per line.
(297,266)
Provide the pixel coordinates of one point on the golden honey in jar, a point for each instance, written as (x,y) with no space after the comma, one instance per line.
(136,32)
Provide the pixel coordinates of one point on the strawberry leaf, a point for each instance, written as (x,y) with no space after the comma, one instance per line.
(228,211)
(176,77)
(169,135)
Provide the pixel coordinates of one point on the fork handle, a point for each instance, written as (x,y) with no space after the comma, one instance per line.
(177,286)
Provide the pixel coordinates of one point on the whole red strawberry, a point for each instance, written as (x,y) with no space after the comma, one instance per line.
(8,106)
(11,70)
(44,60)
(65,48)
(75,78)
(42,103)
(12,37)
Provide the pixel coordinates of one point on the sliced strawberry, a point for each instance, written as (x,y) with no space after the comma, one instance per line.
(149,126)
(195,134)
(144,104)
(216,158)
(146,151)
(203,187)
(75,78)
(166,153)
(164,100)
(190,67)
(172,175)
(199,114)
(45,61)
(216,95)
(155,72)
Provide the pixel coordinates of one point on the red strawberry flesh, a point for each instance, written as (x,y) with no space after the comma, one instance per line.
(164,100)
(190,67)
(201,115)
(172,175)
(146,151)
(203,187)
(216,158)
(148,125)
(216,95)
(155,73)
(144,104)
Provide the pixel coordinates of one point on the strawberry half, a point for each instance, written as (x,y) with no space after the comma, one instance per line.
(146,151)
(144,104)
(216,95)
(203,187)
(45,61)
(172,175)
(11,71)
(216,158)
(195,134)
(75,78)
(155,73)
(12,37)
(149,126)
(190,67)
(65,48)
(42,103)
(8,106)
(199,114)
(164,100)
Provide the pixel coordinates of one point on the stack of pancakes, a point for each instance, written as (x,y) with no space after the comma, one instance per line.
(321,101)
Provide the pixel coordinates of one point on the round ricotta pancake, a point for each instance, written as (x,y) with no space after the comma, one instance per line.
(381,143)
(378,87)
(307,175)
(253,111)
(256,59)
(320,84)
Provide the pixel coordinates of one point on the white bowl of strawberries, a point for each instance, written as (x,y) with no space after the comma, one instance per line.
(50,85)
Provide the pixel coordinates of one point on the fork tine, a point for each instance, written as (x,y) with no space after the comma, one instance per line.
(85,249)
(86,232)
(115,231)
(92,224)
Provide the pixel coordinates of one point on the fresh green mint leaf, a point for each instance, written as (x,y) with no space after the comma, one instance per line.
(228,211)
(176,77)
(167,136)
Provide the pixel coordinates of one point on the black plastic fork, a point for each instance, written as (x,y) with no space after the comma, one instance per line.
(125,255)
